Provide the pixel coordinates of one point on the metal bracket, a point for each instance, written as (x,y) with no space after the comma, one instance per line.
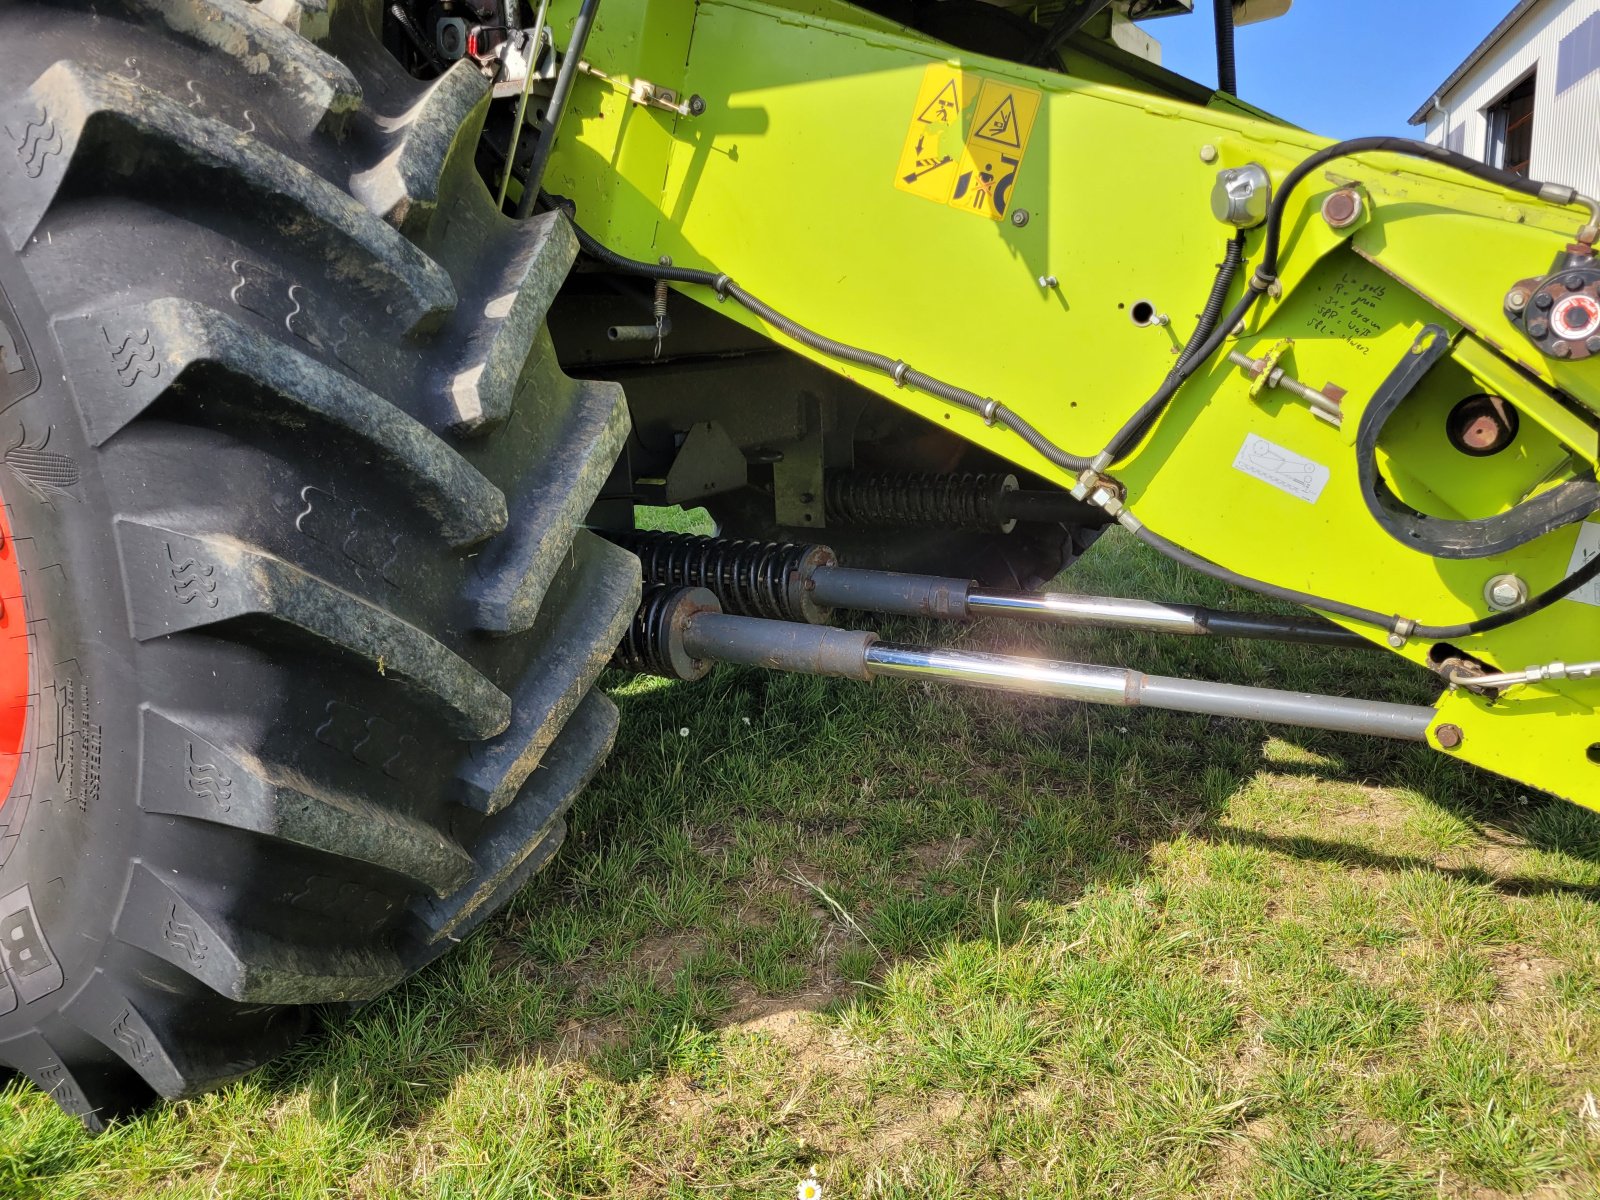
(707,463)
(797,476)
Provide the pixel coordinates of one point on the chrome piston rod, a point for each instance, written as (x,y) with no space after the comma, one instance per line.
(710,636)
(1131,689)
(934,596)
(804,583)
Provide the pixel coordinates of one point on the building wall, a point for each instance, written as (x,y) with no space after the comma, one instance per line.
(1566,128)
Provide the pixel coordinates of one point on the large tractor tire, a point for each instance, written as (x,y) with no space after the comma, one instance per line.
(300,622)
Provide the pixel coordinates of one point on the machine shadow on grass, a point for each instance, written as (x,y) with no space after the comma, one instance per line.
(1160,951)
(760,842)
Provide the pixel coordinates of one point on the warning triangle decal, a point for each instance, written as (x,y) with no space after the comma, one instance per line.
(942,107)
(1001,125)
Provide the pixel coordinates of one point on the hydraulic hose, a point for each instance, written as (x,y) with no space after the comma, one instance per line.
(1232,258)
(1267,272)
(1227,75)
(1555,193)
(1198,351)
(1203,343)
(992,411)
(1369,616)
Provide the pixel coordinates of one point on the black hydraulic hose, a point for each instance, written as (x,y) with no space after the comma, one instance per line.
(995,413)
(1267,272)
(1227,74)
(1394,145)
(557,107)
(1202,344)
(902,373)
(1369,616)
(1135,427)
(1232,258)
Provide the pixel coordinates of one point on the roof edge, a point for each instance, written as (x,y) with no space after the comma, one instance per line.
(1518,11)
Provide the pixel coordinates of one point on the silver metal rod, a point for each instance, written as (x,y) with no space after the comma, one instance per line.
(535,43)
(1125,688)
(557,106)
(1111,612)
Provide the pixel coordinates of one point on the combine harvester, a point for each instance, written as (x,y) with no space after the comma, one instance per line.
(339,339)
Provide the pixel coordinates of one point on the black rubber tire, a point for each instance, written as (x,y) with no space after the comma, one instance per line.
(296,491)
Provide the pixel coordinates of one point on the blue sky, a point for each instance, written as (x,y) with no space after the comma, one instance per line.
(1342,68)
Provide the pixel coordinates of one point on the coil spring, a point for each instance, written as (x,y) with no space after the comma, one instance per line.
(964,501)
(644,649)
(752,579)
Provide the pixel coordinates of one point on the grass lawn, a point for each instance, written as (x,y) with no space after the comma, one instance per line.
(930,943)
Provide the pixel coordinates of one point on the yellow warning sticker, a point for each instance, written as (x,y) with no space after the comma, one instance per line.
(976,175)
(933,143)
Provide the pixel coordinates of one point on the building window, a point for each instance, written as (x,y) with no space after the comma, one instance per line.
(1579,54)
(1511,129)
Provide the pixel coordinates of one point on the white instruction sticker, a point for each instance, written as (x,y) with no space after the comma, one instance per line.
(1282,468)
(1585,548)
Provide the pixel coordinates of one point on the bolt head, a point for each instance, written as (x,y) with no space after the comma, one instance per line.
(1593,344)
(1505,594)
(1561,350)
(1208,153)
(1517,300)
(665,260)
(1543,300)
(1342,208)
(1538,328)
(1449,736)
(1019,217)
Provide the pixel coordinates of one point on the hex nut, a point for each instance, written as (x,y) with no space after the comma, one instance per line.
(1019,217)
(1517,300)
(1505,591)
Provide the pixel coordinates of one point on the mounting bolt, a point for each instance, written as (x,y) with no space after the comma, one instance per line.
(1543,300)
(1538,328)
(664,261)
(1561,350)
(1342,208)
(1019,217)
(1049,281)
(697,106)
(1449,736)
(1517,300)
(1505,591)
(1208,153)
(1395,640)
(1593,344)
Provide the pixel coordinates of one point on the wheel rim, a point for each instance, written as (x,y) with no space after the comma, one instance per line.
(14,674)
